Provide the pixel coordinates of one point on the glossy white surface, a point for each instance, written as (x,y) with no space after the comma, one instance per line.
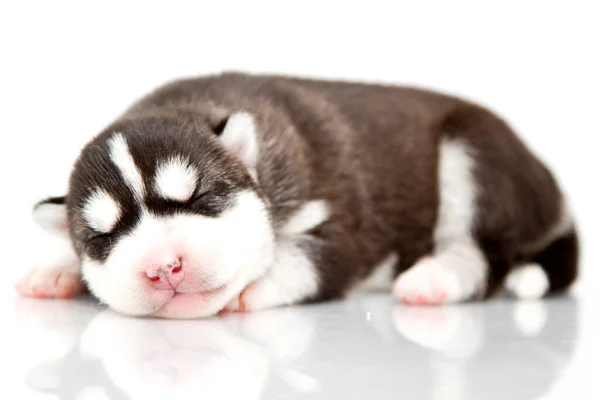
(71,67)
(365,347)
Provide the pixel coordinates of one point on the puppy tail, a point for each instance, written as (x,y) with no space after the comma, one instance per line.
(560,261)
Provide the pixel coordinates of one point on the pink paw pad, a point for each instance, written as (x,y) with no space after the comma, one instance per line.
(424,300)
(428,283)
(238,304)
(44,284)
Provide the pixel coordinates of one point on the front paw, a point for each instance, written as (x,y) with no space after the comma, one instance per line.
(237,304)
(258,295)
(51,283)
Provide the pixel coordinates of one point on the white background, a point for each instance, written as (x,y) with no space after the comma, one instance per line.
(67,69)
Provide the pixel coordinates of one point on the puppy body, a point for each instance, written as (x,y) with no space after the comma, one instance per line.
(313,188)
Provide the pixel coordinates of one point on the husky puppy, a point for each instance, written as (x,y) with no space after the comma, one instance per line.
(242,192)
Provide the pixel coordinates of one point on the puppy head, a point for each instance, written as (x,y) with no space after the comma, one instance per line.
(161,210)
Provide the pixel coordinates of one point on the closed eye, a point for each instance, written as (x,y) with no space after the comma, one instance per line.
(200,197)
(99,240)
(211,200)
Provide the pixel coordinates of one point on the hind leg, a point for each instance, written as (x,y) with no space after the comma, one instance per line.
(455,274)
(457,269)
(499,209)
(528,281)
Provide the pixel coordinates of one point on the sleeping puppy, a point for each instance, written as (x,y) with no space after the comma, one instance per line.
(240,192)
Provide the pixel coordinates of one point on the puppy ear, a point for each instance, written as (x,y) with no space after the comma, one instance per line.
(238,134)
(51,214)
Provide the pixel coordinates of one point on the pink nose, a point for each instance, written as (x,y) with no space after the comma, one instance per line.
(166,276)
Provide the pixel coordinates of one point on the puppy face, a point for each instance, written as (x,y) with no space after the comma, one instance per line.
(165,215)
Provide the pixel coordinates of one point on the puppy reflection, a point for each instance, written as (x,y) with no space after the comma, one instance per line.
(54,330)
(180,359)
(492,352)
(497,350)
(232,357)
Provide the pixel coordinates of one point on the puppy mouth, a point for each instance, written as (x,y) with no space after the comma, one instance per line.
(206,292)
(195,303)
(191,304)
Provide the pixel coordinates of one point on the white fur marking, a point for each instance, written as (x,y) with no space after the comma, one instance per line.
(120,155)
(310,215)
(101,211)
(458,268)
(457,206)
(239,136)
(291,278)
(381,277)
(176,179)
(52,217)
(528,281)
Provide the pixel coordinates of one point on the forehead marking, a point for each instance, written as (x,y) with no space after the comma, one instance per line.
(176,179)
(101,211)
(121,157)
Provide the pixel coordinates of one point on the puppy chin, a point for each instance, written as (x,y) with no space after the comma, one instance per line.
(205,303)
(200,304)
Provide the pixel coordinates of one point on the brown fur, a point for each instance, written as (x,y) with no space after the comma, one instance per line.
(371,152)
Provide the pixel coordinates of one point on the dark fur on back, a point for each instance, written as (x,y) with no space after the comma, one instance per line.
(371,152)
